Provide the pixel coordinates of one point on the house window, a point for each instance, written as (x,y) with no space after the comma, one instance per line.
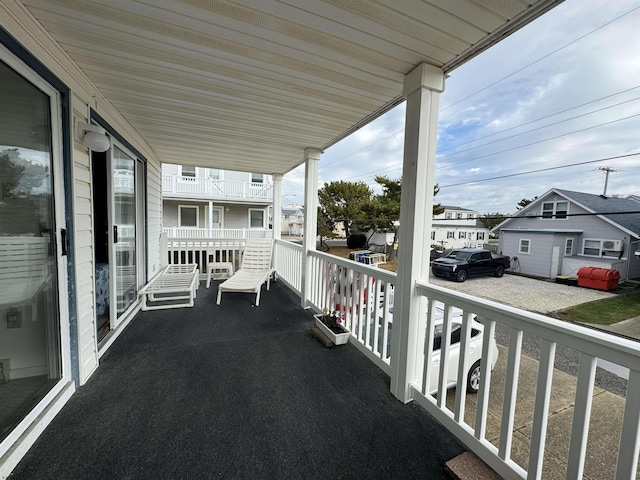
(214,173)
(188,216)
(568,247)
(462,234)
(256,218)
(480,236)
(458,216)
(447,215)
(188,171)
(451,234)
(525,246)
(257,178)
(592,248)
(551,210)
(433,235)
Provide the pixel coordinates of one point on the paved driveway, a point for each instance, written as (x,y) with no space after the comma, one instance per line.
(526,293)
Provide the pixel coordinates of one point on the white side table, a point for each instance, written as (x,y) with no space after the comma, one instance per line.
(219,270)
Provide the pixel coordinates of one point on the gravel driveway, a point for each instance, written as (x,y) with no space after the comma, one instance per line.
(526,293)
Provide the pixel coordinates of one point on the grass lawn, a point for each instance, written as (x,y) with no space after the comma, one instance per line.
(604,312)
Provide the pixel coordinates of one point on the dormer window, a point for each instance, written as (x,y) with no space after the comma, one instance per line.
(557,210)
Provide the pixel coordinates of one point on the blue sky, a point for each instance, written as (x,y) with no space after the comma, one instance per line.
(563,90)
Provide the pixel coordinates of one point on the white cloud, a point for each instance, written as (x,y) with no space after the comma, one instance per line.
(493,108)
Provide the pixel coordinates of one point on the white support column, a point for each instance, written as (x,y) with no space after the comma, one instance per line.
(422,88)
(210,219)
(311,159)
(277,205)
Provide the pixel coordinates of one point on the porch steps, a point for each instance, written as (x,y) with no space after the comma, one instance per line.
(467,466)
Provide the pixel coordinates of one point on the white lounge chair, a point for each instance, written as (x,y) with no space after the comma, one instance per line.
(254,270)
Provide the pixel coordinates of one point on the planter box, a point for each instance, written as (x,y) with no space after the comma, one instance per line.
(336,338)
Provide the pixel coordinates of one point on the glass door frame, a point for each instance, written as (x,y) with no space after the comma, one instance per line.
(63,332)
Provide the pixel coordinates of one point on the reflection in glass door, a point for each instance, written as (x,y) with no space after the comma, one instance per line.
(124,231)
(30,351)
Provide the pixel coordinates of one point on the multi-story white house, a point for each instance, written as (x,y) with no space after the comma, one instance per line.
(209,202)
(458,228)
(293,220)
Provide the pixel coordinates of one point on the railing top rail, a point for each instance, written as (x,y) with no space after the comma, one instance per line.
(296,246)
(384,275)
(619,350)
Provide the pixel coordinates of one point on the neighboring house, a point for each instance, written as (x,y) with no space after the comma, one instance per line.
(208,202)
(292,220)
(458,228)
(562,231)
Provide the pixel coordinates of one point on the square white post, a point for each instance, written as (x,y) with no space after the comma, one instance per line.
(311,161)
(422,88)
(276,225)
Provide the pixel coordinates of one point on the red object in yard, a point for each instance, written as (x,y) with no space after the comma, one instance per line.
(598,278)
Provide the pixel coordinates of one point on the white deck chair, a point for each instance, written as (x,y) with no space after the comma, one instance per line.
(254,270)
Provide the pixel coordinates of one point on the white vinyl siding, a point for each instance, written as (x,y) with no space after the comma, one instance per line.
(85,291)
(524,246)
(154,218)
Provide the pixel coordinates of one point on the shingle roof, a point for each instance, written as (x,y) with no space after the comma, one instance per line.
(608,208)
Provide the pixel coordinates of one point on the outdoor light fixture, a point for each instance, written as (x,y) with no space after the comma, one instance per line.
(93,137)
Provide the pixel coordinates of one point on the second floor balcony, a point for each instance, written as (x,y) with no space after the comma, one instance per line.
(178,186)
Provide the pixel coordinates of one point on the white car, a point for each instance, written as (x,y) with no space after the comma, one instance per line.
(475,349)
(474,356)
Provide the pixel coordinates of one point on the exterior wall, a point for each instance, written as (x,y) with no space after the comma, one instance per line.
(236,217)
(470,230)
(537,261)
(592,227)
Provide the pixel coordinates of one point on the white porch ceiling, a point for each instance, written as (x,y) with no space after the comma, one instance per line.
(249,84)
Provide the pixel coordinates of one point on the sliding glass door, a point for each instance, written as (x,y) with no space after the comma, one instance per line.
(32,265)
(124,231)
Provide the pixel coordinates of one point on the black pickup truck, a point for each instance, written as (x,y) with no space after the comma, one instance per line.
(470,262)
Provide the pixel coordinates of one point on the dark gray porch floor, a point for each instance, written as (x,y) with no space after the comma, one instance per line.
(235,391)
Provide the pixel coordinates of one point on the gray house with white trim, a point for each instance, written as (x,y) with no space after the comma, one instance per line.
(563,231)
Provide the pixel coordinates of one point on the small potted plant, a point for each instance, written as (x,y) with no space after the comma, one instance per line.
(331,325)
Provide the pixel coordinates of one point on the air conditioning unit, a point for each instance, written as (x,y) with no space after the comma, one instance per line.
(612,245)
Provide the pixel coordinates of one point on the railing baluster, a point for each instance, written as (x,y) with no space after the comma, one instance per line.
(541,409)
(445,346)
(630,438)
(463,367)
(485,379)
(428,348)
(510,394)
(581,416)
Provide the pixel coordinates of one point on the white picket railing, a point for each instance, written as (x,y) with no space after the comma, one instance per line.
(217,233)
(590,344)
(181,251)
(363,295)
(202,187)
(288,264)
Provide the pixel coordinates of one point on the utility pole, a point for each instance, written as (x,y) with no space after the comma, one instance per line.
(607,171)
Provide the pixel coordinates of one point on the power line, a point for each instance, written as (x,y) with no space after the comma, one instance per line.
(539,170)
(535,129)
(539,118)
(540,59)
(540,141)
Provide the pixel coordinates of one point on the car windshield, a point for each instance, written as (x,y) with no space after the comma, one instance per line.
(459,255)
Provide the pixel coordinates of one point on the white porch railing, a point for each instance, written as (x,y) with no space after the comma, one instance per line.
(288,264)
(364,296)
(201,187)
(217,233)
(181,251)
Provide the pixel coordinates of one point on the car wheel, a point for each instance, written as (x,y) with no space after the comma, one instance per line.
(499,271)
(461,276)
(473,378)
